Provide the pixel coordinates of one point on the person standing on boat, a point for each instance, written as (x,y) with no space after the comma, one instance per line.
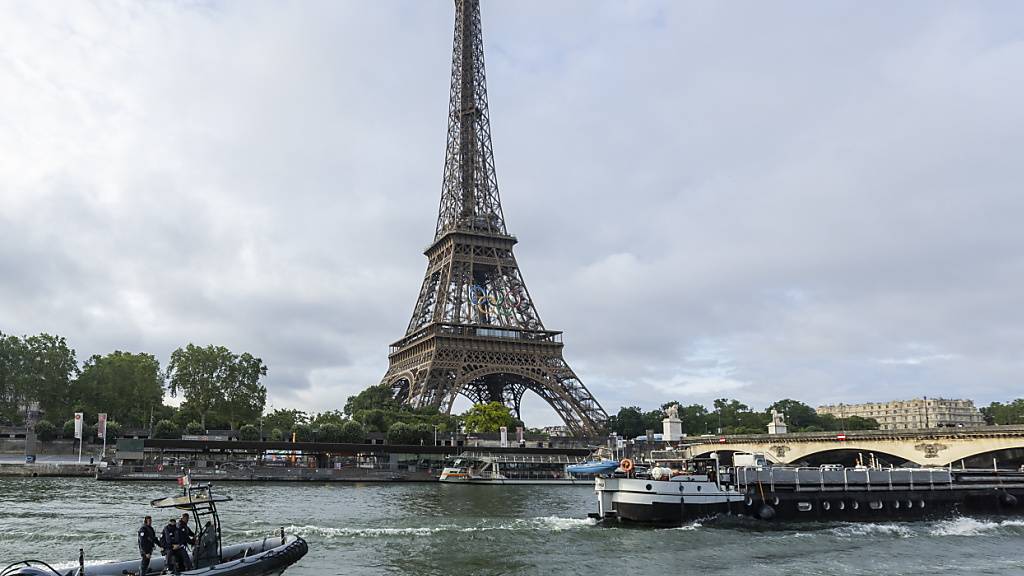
(184,537)
(169,542)
(147,541)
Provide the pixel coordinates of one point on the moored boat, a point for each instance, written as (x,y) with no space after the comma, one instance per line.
(511,469)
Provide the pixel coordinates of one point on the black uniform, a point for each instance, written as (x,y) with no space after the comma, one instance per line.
(147,541)
(184,538)
(168,539)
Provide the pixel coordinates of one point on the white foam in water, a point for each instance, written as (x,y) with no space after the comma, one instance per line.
(690,527)
(966,526)
(545,523)
(872,529)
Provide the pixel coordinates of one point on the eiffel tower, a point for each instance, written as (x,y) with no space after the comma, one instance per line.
(475,330)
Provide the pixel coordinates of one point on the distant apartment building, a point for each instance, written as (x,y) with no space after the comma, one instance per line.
(908,414)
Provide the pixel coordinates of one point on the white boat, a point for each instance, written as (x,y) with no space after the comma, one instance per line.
(484,468)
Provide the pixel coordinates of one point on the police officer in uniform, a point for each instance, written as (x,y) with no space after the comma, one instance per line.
(185,538)
(147,541)
(169,542)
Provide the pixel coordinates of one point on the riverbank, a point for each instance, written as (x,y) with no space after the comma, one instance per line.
(47,470)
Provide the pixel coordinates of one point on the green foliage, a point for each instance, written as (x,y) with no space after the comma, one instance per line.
(114,430)
(277,435)
(329,432)
(166,429)
(249,433)
(1003,414)
(375,397)
(628,422)
(194,428)
(374,419)
(414,434)
(335,417)
(352,432)
(36,369)
(860,423)
(285,419)
(799,416)
(46,431)
(68,430)
(120,383)
(303,433)
(490,417)
(214,379)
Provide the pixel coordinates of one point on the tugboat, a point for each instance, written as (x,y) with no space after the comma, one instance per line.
(265,557)
(698,488)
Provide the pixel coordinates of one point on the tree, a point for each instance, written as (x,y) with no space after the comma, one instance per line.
(628,423)
(114,430)
(14,379)
(194,428)
(303,433)
(374,419)
(329,432)
(414,434)
(285,419)
(375,397)
(45,430)
(998,413)
(329,417)
(798,415)
(248,433)
(166,429)
(352,432)
(488,417)
(277,435)
(128,385)
(215,379)
(68,430)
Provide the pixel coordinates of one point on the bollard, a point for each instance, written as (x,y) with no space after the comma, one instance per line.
(282,535)
(81,562)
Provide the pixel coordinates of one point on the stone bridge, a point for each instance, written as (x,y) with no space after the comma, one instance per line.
(930,447)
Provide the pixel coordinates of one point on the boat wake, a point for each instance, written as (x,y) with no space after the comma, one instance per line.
(538,524)
(967,526)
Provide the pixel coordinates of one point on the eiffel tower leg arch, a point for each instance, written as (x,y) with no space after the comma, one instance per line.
(508,384)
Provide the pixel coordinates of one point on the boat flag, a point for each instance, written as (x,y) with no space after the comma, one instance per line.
(78,425)
(101,426)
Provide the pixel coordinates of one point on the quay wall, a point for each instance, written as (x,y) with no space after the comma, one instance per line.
(46,470)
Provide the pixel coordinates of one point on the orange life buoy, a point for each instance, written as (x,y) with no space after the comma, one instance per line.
(626,465)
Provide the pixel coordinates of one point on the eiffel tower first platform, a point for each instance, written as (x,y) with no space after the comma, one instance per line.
(475,330)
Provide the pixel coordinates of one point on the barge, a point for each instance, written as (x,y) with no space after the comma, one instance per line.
(701,489)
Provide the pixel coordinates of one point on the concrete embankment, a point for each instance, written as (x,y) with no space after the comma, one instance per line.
(46,469)
(268,474)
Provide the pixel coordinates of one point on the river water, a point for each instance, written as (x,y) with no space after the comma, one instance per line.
(441,529)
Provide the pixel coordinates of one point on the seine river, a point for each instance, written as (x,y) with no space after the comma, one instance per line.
(425,529)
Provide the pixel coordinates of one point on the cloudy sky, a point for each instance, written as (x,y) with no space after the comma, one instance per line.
(817,200)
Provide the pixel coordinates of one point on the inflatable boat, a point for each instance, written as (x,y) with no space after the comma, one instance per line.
(265,557)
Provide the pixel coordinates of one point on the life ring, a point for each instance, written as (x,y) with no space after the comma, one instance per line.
(626,465)
(159,467)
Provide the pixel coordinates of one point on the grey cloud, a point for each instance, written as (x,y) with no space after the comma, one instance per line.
(711,199)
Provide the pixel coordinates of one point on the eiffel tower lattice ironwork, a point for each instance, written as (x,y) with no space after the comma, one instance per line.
(475,330)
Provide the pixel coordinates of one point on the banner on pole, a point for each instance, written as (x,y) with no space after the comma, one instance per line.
(78,425)
(504,436)
(101,426)
(519,434)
